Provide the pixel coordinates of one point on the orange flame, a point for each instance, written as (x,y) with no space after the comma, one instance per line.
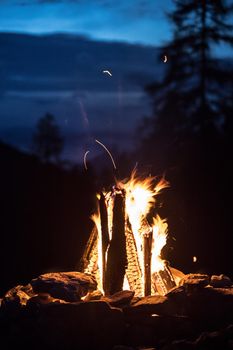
(159,241)
(140,198)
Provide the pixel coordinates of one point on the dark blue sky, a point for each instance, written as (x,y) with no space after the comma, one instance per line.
(63,74)
(132,20)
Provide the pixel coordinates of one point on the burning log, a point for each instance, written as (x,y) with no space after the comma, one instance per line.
(116,260)
(133,271)
(147,263)
(163,280)
(123,246)
(104,235)
(88,263)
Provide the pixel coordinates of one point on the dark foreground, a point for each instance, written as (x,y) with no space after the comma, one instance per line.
(49,313)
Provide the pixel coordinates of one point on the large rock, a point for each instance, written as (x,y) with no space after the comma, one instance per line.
(68,286)
(220,281)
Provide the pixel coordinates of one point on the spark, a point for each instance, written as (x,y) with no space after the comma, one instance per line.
(101,144)
(194,259)
(165,58)
(107,72)
(85,159)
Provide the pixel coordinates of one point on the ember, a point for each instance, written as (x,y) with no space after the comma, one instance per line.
(124,249)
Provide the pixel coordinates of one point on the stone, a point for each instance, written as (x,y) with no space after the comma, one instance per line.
(68,286)
(119,299)
(95,295)
(14,300)
(212,340)
(194,281)
(147,306)
(220,281)
(83,325)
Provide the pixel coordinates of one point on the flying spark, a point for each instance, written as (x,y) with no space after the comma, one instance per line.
(194,259)
(165,58)
(107,72)
(101,144)
(85,159)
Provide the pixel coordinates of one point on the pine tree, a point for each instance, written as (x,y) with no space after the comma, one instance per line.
(189,98)
(48,143)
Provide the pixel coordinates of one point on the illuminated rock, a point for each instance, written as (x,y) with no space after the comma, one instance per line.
(68,286)
(221,281)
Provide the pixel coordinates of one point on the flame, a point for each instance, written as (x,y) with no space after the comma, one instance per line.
(96,219)
(158,242)
(140,198)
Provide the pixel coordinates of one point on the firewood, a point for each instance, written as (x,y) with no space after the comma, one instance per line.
(88,262)
(104,234)
(116,260)
(133,270)
(163,280)
(147,238)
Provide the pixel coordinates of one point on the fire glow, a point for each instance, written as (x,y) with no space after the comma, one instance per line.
(124,249)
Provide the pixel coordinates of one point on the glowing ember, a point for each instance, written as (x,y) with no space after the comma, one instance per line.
(144,271)
(85,159)
(194,259)
(107,72)
(109,153)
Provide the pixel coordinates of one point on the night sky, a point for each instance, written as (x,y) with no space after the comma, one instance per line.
(139,21)
(43,71)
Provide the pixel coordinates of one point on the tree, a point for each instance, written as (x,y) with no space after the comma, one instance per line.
(186,136)
(47,140)
(189,98)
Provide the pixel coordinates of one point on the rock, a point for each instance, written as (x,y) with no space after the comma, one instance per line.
(119,299)
(35,303)
(210,307)
(220,281)
(50,315)
(15,299)
(95,295)
(68,286)
(84,325)
(147,306)
(194,281)
(214,340)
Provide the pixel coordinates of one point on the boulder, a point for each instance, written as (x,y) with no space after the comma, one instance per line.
(220,281)
(68,286)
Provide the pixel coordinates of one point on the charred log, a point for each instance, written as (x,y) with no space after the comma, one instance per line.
(116,260)
(147,263)
(104,234)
